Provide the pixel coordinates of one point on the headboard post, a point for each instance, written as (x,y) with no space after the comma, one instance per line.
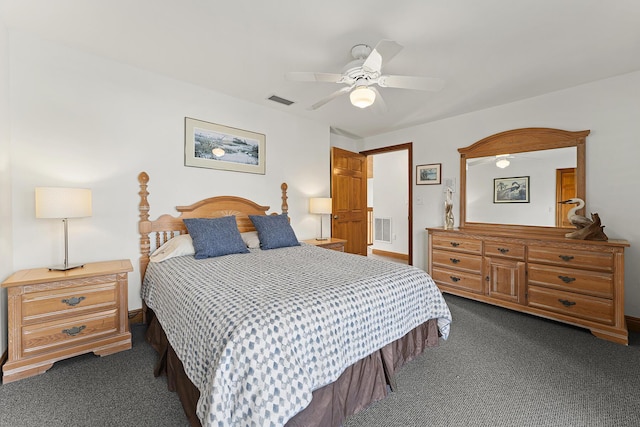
(144,225)
(285,206)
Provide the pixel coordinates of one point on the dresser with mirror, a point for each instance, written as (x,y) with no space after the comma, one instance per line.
(510,249)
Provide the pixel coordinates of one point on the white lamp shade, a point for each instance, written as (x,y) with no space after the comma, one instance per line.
(320,205)
(58,202)
(362,97)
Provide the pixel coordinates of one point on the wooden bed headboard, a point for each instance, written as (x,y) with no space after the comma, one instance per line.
(165,227)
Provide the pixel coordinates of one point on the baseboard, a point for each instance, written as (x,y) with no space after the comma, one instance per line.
(395,255)
(633,323)
(135,316)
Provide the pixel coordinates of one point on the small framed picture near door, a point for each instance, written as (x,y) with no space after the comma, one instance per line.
(429,174)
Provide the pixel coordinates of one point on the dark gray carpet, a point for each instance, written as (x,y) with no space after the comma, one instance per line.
(498,368)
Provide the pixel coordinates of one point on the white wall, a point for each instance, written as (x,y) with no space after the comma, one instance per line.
(6,252)
(344,142)
(609,108)
(390,198)
(79,120)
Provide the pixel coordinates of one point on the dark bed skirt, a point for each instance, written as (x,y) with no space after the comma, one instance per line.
(359,385)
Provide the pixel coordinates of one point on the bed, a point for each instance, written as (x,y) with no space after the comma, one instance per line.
(274,333)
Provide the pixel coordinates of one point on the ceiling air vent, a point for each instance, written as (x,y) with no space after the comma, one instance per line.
(279,100)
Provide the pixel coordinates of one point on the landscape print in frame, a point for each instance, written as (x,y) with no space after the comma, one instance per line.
(429,174)
(511,190)
(214,146)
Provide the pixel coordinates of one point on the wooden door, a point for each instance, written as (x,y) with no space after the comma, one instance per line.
(349,195)
(565,189)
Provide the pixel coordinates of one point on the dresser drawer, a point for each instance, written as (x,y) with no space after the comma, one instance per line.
(571,258)
(44,305)
(46,337)
(456,260)
(458,279)
(571,304)
(504,250)
(452,242)
(585,282)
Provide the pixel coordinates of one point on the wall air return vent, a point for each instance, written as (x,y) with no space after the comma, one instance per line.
(382,230)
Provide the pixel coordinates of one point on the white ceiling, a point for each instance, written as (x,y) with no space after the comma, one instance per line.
(488,52)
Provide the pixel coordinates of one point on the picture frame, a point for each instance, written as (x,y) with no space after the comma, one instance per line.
(429,174)
(214,146)
(511,190)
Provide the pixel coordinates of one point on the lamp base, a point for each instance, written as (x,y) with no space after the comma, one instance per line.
(65,267)
(322,238)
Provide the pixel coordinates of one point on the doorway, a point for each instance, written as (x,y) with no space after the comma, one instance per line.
(400,210)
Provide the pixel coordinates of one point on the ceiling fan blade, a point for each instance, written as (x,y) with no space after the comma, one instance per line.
(411,82)
(302,76)
(385,50)
(331,97)
(379,105)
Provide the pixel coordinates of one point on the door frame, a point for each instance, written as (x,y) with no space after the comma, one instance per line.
(409,148)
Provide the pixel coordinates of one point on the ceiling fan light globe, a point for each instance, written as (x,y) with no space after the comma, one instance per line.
(502,163)
(362,97)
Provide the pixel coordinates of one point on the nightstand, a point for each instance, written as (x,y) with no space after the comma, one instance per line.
(328,243)
(54,315)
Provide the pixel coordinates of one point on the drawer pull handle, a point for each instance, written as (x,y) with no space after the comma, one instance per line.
(566,303)
(455,279)
(566,279)
(566,257)
(503,250)
(454,260)
(455,244)
(72,332)
(73,301)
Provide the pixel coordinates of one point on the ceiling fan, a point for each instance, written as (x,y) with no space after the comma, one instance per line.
(364,72)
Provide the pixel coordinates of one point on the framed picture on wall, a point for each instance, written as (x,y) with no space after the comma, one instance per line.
(213,146)
(511,190)
(429,174)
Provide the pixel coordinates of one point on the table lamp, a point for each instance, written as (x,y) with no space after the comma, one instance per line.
(321,206)
(63,203)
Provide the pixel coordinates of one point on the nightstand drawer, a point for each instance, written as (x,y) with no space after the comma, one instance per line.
(45,305)
(45,337)
(334,246)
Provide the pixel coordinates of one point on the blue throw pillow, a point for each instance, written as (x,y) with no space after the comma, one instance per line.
(214,237)
(274,231)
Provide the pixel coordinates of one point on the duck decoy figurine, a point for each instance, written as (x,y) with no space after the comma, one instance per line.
(578,220)
(587,229)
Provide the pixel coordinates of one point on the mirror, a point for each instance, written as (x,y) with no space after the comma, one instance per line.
(514,179)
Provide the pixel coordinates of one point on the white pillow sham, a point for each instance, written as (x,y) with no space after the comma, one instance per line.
(178,246)
(251,239)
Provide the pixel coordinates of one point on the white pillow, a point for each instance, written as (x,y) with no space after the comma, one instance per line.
(251,239)
(178,246)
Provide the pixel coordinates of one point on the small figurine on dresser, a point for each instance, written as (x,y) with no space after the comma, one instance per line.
(587,229)
(448,210)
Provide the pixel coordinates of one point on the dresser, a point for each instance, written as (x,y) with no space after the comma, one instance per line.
(328,243)
(578,282)
(54,315)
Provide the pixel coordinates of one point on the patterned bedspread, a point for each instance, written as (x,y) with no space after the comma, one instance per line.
(258,332)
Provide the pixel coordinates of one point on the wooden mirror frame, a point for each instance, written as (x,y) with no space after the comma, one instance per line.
(521,141)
